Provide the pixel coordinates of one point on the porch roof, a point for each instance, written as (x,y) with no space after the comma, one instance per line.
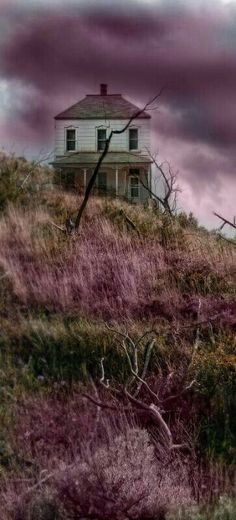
(86,158)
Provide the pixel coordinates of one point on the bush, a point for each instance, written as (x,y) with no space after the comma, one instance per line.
(215,370)
(122,479)
(10,190)
(19,179)
(111,472)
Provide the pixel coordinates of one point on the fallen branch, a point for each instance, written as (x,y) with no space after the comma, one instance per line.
(225,221)
(57,227)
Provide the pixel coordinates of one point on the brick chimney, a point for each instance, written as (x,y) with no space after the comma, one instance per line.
(103,89)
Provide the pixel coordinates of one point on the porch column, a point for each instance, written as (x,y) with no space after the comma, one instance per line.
(117,182)
(150,177)
(85,179)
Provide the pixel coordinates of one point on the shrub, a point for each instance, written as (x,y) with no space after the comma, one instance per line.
(103,469)
(9,180)
(20,179)
(122,479)
(215,370)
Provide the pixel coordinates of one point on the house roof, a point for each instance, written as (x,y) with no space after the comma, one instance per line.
(109,106)
(91,158)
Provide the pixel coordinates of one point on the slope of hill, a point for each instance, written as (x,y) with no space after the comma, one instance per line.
(138,272)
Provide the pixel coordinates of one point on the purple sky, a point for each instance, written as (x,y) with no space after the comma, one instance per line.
(54,52)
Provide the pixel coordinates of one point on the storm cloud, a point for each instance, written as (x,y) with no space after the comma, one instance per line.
(52,54)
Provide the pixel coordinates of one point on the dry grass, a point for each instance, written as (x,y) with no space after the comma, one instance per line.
(110,273)
(56,293)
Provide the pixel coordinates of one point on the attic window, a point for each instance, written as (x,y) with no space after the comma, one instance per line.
(101,139)
(70,140)
(133,139)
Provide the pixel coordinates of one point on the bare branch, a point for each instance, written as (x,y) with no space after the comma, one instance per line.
(172,398)
(104,153)
(151,405)
(225,221)
(228,223)
(41,160)
(146,363)
(57,227)
(99,403)
(102,379)
(171,189)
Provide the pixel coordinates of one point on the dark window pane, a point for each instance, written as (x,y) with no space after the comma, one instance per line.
(71,134)
(70,139)
(102,135)
(101,145)
(133,133)
(70,145)
(133,139)
(134,171)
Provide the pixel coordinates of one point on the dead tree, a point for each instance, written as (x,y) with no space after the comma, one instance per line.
(226,222)
(169,180)
(149,106)
(152,404)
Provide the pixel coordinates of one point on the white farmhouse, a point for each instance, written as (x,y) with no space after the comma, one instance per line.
(81,131)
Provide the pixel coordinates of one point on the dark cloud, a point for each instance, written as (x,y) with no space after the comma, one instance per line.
(63,53)
(137,52)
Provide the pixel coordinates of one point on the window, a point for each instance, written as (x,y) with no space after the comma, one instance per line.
(133,139)
(70,140)
(102,182)
(102,136)
(134,187)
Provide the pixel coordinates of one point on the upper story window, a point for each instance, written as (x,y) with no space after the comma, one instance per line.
(133,139)
(101,138)
(70,139)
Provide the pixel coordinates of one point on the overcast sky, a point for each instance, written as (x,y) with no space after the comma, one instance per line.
(53,52)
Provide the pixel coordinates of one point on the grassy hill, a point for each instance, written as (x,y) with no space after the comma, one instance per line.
(135,271)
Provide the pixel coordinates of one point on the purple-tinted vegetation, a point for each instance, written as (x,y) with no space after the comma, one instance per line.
(112,274)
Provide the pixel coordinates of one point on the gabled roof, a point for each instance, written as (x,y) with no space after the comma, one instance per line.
(109,106)
(85,158)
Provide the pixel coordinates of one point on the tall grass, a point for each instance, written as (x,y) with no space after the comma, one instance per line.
(56,292)
(112,274)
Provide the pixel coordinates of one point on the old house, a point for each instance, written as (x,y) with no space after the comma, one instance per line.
(81,131)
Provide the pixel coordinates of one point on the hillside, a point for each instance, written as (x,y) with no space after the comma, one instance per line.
(64,302)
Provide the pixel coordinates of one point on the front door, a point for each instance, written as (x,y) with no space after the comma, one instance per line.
(134,188)
(102,183)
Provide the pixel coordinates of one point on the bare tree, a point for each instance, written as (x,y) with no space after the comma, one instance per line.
(169,180)
(153,404)
(149,106)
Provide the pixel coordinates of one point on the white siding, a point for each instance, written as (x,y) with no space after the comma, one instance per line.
(86,134)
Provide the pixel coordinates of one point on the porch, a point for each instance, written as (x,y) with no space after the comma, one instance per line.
(120,179)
